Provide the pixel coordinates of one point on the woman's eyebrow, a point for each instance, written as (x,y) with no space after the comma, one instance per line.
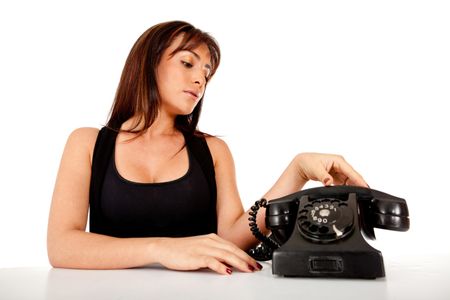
(198,57)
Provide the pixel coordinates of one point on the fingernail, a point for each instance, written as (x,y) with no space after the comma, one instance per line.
(229,271)
(251,268)
(259,266)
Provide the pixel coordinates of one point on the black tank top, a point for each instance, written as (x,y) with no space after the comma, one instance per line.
(182,207)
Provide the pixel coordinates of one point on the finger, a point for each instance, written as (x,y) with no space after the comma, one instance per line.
(230,259)
(354,178)
(338,178)
(229,246)
(324,176)
(215,265)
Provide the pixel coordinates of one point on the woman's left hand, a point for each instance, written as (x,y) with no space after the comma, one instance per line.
(329,169)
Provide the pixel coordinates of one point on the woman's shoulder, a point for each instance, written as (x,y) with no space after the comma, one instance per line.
(83,138)
(84,135)
(216,143)
(218,148)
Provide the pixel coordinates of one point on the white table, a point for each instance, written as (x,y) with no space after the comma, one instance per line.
(407,277)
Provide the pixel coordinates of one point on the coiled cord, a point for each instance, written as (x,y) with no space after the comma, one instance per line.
(265,250)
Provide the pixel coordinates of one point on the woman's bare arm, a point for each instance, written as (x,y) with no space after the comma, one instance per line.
(233,223)
(68,244)
(232,220)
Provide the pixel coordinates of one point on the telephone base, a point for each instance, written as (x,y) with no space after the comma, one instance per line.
(352,264)
(320,231)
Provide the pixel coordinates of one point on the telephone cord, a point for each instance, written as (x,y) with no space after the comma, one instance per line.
(265,250)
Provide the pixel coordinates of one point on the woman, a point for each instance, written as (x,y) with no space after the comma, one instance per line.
(165,193)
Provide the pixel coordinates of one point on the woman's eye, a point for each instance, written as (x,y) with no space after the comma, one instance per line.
(189,65)
(186,64)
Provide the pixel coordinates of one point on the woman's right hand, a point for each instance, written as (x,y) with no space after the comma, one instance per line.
(204,251)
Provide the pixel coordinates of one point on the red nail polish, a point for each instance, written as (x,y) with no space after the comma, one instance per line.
(259,266)
(251,268)
(229,271)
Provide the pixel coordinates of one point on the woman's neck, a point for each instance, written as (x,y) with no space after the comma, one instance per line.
(162,126)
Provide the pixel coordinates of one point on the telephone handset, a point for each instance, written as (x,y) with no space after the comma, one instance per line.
(318,232)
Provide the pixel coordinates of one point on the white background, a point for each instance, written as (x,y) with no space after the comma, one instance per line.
(365,79)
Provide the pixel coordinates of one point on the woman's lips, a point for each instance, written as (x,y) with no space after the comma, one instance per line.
(192,94)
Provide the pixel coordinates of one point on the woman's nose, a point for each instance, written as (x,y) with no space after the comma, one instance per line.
(199,78)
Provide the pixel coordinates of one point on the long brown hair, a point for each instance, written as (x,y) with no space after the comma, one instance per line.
(137,93)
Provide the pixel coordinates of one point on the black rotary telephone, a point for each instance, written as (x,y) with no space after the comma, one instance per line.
(319,232)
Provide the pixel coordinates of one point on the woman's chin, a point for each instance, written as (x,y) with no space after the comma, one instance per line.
(185,112)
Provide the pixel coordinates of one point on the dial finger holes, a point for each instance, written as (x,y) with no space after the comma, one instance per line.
(313,228)
(323,229)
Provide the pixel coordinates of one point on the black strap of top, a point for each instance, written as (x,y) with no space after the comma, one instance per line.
(202,154)
(200,149)
(103,150)
(104,147)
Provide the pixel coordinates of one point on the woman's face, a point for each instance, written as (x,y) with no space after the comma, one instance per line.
(181,78)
